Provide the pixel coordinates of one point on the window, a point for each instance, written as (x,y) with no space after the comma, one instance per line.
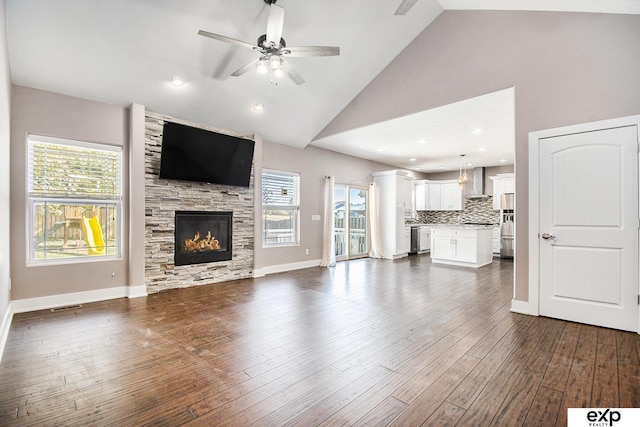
(75,193)
(280,208)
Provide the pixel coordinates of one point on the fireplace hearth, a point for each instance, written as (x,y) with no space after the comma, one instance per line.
(202,237)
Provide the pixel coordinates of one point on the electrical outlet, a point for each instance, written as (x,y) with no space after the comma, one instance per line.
(306,251)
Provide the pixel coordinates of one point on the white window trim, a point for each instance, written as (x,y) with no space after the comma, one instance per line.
(59,199)
(295,208)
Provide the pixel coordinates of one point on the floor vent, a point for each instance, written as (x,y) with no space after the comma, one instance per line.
(68,307)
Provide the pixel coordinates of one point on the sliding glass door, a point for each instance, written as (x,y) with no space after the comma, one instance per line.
(350,221)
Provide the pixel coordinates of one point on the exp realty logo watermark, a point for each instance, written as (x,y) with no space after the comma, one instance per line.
(603,417)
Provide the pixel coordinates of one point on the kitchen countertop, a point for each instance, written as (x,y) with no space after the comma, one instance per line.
(453,226)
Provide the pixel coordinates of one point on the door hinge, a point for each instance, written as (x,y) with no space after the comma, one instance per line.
(638,299)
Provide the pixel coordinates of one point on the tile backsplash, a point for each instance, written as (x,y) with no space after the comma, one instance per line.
(475,210)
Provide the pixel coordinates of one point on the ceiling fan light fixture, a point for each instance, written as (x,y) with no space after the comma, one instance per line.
(275,63)
(262,65)
(278,73)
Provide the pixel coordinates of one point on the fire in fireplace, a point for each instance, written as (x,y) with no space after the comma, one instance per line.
(202,237)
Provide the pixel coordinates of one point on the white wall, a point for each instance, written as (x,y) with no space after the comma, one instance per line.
(5,107)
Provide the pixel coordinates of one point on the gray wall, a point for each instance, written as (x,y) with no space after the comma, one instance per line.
(51,114)
(313,164)
(5,107)
(567,68)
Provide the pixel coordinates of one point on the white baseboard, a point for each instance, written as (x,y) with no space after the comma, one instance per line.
(4,328)
(136,291)
(522,307)
(281,268)
(62,300)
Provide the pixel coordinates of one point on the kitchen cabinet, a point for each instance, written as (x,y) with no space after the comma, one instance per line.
(450,197)
(403,240)
(434,197)
(444,196)
(421,191)
(394,196)
(469,247)
(403,193)
(502,183)
(425,239)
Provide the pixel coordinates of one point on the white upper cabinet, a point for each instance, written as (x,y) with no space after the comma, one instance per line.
(502,183)
(451,197)
(421,195)
(434,197)
(439,196)
(403,192)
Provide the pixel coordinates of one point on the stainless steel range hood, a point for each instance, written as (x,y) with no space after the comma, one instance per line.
(477,191)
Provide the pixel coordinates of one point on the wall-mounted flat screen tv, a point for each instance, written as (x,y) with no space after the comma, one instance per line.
(192,154)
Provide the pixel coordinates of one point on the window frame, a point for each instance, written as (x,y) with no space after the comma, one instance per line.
(295,208)
(34,198)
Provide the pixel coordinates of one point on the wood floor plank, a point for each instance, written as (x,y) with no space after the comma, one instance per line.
(519,400)
(432,397)
(545,408)
(629,385)
(579,387)
(557,371)
(368,342)
(626,348)
(445,415)
(605,377)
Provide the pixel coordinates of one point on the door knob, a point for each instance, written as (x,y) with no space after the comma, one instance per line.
(547,236)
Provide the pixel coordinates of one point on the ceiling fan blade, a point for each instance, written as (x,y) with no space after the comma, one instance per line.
(301,51)
(227,39)
(293,73)
(245,68)
(405,6)
(275,22)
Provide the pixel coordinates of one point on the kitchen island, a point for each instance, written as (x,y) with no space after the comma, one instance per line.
(463,245)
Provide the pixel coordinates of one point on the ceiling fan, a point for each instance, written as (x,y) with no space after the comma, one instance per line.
(273,49)
(405,6)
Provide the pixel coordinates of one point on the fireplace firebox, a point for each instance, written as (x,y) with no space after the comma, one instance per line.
(202,237)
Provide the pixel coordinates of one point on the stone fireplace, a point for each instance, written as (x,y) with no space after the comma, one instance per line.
(167,200)
(202,237)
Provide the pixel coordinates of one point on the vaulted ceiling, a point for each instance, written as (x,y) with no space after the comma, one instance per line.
(125,51)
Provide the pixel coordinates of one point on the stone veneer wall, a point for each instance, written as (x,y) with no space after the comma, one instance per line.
(164,197)
(475,210)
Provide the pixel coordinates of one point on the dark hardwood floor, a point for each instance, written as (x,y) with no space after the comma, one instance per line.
(370,342)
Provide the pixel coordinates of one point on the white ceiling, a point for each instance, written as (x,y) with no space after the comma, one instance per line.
(481,128)
(124,51)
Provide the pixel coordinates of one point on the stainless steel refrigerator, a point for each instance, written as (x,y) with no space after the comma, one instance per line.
(506,225)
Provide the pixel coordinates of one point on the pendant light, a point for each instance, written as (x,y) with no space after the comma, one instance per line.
(463,178)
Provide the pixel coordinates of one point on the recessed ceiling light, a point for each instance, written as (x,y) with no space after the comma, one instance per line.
(503,160)
(258,107)
(441,167)
(176,80)
(469,164)
(413,159)
(380,150)
(422,141)
(482,149)
(477,130)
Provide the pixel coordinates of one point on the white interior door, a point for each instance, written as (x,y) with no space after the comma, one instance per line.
(589,227)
